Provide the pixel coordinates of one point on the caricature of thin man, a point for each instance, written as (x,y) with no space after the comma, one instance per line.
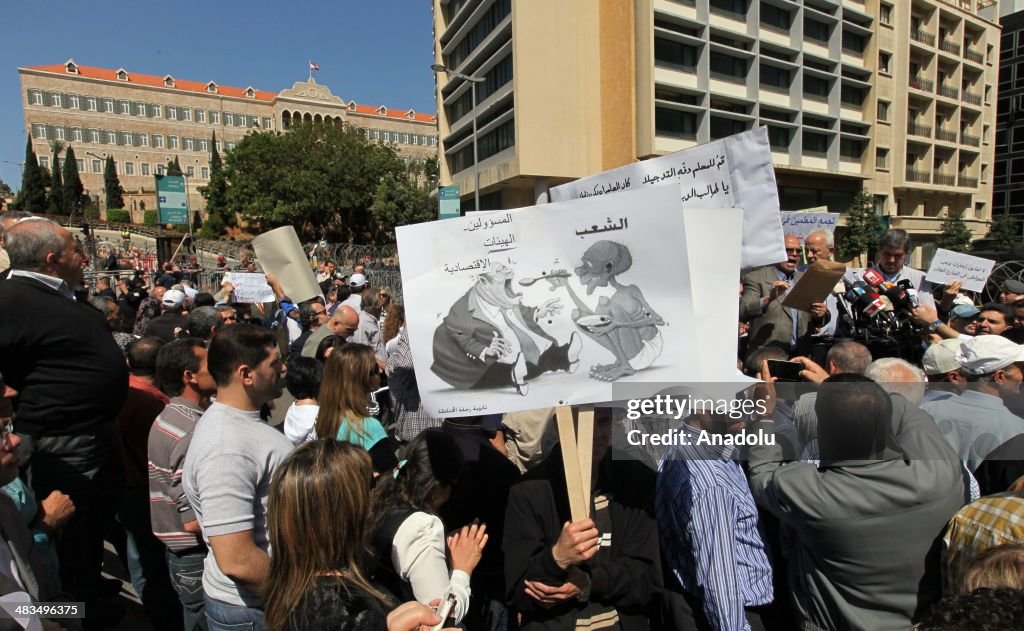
(631,330)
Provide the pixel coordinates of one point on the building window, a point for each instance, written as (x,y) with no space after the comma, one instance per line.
(172,142)
(39,131)
(229,118)
(190,171)
(816,31)
(129,168)
(204,173)
(111,137)
(884,62)
(200,116)
(80,165)
(772,77)
(231,145)
(55,99)
(883,111)
(36,97)
(144,140)
(267,122)
(158,141)
(722,127)
(376,134)
(241,120)
(94,135)
(90,103)
(204,144)
(76,134)
(44,162)
(97,166)
(733,8)
(675,54)
(816,87)
(126,138)
(172,112)
(851,95)
(215,118)
(190,144)
(779,137)
(140,109)
(774,17)
(220,145)
(851,148)
(186,114)
(74,101)
(885,14)
(160,169)
(815,144)
(728,68)
(59,133)
(156,111)
(126,107)
(143,168)
(675,123)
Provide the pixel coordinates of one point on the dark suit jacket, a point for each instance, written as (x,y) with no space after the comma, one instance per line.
(462,338)
(773,327)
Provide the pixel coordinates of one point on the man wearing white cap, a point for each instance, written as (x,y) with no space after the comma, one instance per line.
(976,421)
(167,325)
(357,283)
(943,370)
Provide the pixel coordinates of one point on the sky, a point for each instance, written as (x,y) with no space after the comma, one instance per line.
(373,51)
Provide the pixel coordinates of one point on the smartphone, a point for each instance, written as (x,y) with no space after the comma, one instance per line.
(443,611)
(785,371)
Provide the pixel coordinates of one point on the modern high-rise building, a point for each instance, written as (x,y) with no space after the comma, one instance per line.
(896,96)
(1008,182)
(144,121)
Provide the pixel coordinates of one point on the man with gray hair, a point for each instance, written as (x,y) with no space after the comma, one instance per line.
(203,323)
(7,220)
(820,245)
(893,250)
(898,376)
(71,380)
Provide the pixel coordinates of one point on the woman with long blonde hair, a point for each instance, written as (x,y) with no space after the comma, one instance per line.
(351,376)
(317,520)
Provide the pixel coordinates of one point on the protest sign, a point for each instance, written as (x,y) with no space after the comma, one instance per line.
(281,255)
(801,224)
(733,172)
(251,287)
(534,308)
(971,271)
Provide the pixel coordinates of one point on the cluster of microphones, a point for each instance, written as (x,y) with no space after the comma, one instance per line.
(877,300)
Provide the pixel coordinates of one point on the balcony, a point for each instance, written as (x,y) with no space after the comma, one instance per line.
(924,37)
(969,182)
(943,179)
(972,97)
(918,176)
(975,56)
(945,135)
(919,83)
(950,46)
(948,92)
(972,141)
(919,130)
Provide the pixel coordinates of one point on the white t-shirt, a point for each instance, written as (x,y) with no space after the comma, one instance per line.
(299,422)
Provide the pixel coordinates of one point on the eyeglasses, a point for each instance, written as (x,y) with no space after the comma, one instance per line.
(794,250)
(5,433)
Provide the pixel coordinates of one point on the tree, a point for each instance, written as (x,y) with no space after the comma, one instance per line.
(1004,232)
(322,179)
(955,236)
(112,185)
(215,193)
(861,232)
(5,190)
(173,168)
(32,196)
(74,193)
(399,201)
(55,199)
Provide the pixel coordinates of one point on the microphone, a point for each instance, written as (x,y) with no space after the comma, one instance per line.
(873,278)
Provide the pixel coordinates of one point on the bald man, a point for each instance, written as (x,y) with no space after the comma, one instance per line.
(71,380)
(343,323)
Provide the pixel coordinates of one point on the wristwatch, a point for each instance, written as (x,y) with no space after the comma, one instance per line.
(934,326)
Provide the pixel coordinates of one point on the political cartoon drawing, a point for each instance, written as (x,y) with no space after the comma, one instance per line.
(549,305)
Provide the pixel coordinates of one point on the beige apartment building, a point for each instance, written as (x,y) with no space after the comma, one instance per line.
(143,121)
(894,96)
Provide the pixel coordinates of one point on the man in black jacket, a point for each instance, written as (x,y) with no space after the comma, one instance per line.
(599,572)
(71,380)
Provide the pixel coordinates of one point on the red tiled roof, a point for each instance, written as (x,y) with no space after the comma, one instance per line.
(222,90)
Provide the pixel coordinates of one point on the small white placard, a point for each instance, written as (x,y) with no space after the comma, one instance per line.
(250,287)
(971,271)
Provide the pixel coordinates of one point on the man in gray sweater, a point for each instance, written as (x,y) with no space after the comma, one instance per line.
(228,469)
(866,522)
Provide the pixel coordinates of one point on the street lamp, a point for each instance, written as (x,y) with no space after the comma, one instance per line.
(99,198)
(472,95)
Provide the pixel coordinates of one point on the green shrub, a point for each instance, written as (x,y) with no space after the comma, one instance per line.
(119,215)
(149,218)
(92,213)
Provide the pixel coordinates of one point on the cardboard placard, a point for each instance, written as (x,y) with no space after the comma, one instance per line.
(814,286)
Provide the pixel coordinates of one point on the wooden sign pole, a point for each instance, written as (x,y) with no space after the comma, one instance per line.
(577,457)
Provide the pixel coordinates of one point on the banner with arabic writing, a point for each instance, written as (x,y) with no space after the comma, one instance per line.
(732,172)
(971,271)
(531,308)
(801,224)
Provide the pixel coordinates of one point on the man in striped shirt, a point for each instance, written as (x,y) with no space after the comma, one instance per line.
(710,533)
(181,369)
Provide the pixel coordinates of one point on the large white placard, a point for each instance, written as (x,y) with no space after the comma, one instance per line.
(251,287)
(735,171)
(281,255)
(801,224)
(533,308)
(971,271)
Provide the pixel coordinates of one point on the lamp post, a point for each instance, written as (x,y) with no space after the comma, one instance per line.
(472,95)
(99,198)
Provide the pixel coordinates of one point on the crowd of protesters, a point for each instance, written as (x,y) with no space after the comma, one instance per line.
(138,413)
